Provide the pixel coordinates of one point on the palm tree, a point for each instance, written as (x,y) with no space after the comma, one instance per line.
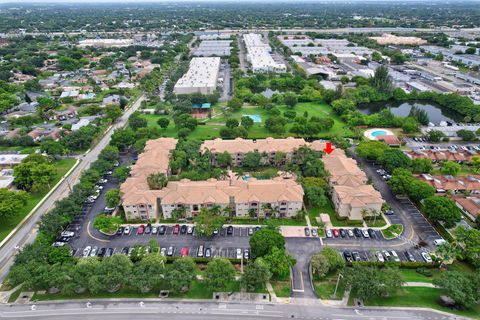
(375,213)
(364,213)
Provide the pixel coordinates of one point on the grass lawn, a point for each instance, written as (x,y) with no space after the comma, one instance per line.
(420,297)
(314,212)
(198,290)
(22,150)
(394,228)
(6,226)
(411,275)
(14,296)
(282,288)
(325,287)
(379,222)
(123,293)
(211,128)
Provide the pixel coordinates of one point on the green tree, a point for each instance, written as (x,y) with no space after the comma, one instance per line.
(442,210)
(264,240)
(246,122)
(112,198)
(113,112)
(316,190)
(34,173)
(121,173)
(459,286)
(148,273)
(136,121)
(224,159)
(231,123)
(115,272)
(371,149)
(219,274)
(469,240)
(409,125)
(475,163)
(52,147)
(180,275)
(393,159)
(163,122)
(368,282)
(208,220)
(252,160)
(450,168)
(279,261)
(435,135)
(11,202)
(320,265)
(106,223)
(235,104)
(256,275)
(467,135)
(157,181)
(382,80)
(290,99)
(422,165)
(123,138)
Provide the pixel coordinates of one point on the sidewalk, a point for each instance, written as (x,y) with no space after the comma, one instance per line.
(419,284)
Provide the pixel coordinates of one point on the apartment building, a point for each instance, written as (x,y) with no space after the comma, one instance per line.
(446,183)
(201,77)
(282,197)
(239,147)
(442,155)
(351,195)
(259,55)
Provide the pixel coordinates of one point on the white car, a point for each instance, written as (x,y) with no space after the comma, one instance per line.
(58,244)
(127,230)
(386,254)
(67,234)
(350,233)
(239,253)
(426,257)
(439,242)
(86,251)
(329,233)
(163,252)
(365,233)
(93,253)
(395,256)
(379,256)
(200,251)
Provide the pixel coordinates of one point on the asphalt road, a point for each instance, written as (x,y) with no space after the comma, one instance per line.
(136,309)
(27,233)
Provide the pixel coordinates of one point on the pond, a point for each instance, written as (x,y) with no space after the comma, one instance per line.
(436,113)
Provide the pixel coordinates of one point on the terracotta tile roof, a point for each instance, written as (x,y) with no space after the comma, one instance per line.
(389,139)
(359,196)
(220,191)
(441,155)
(470,183)
(240,145)
(471,204)
(342,169)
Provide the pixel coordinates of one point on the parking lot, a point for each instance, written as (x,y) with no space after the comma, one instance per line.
(371,255)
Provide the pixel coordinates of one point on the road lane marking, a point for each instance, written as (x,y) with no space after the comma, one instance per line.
(91,236)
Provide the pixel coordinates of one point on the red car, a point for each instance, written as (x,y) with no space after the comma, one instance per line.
(184,251)
(335,233)
(141,229)
(176,229)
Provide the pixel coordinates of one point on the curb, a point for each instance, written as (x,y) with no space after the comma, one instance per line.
(39,204)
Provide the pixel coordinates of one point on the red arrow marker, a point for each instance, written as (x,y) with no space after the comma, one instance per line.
(328,148)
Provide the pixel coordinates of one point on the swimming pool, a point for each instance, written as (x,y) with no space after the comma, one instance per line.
(255,117)
(378,133)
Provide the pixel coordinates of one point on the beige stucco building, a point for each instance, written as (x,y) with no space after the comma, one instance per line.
(351,195)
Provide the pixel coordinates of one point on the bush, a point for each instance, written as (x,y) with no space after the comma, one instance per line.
(424,271)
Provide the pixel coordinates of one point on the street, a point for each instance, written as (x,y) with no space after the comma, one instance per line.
(28,231)
(155,309)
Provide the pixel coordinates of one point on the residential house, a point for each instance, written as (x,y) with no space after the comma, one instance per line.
(452,184)
(442,155)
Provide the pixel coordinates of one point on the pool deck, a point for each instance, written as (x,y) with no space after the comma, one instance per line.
(372,134)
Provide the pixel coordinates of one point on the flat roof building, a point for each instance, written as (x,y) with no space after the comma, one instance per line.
(259,55)
(213,48)
(201,77)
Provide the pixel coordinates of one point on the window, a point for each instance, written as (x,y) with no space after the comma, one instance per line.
(195,207)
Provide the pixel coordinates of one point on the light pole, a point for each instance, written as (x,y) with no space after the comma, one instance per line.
(336,286)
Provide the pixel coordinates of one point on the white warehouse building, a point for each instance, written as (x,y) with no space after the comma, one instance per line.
(258,54)
(201,77)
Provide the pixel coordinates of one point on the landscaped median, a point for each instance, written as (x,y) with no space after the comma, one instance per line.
(393,231)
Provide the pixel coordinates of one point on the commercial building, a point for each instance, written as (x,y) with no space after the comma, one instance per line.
(213,48)
(396,40)
(105,43)
(8,160)
(351,195)
(307,46)
(282,197)
(201,77)
(239,147)
(259,55)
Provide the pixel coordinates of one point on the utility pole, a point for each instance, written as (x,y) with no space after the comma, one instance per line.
(336,286)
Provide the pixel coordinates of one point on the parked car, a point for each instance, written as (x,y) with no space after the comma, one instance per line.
(101,252)
(356,256)
(239,253)
(426,257)
(335,233)
(230,230)
(328,233)
(250,231)
(365,233)
(343,233)
(162,229)
(307,232)
(94,251)
(176,229)
(120,231)
(148,229)
(372,233)
(154,230)
(170,251)
(200,251)
(389,212)
(58,244)
(67,234)
(386,255)
(246,254)
(141,229)
(184,252)
(314,232)
(350,233)
(410,257)
(183,229)
(357,232)
(395,256)
(439,242)
(379,256)
(163,252)
(125,250)
(127,230)
(215,232)
(86,251)
(190,229)
(208,253)
(348,256)
(109,209)
(257,228)
(109,252)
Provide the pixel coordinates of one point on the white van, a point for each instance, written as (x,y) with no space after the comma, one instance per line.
(439,242)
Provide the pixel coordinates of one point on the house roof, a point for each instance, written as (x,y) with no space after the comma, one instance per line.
(342,169)
(359,196)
